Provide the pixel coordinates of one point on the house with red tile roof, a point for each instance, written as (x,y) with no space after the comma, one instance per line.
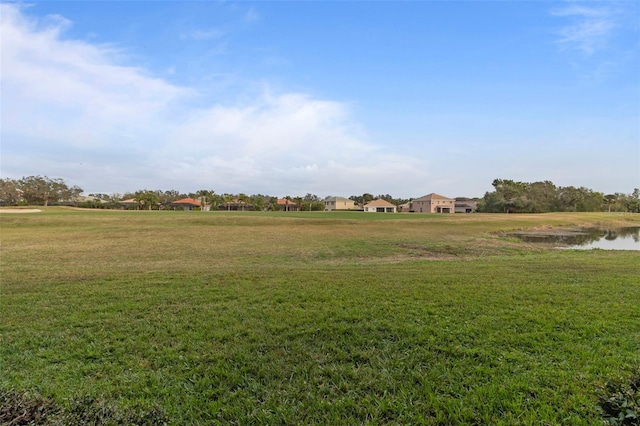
(186,204)
(287,205)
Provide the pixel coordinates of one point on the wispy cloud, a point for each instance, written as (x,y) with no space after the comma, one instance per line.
(70,109)
(251,16)
(589,27)
(200,34)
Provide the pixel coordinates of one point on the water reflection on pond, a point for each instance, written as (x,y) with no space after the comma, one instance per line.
(625,238)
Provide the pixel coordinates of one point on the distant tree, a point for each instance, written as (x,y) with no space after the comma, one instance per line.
(362,199)
(386,197)
(632,201)
(509,197)
(259,202)
(610,199)
(147,199)
(392,200)
(541,196)
(43,190)
(10,194)
(590,201)
(572,199)
(311,202)
(537,197)
(227,199)
(205,196)
(272,204)
(104,197)
(567,199)
(108,201)
(167,197)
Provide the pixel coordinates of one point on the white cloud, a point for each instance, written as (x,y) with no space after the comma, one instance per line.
(72,92)
(589,27)
(75,111)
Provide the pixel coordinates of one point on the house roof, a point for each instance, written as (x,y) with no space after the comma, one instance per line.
(433,196)
(379,203)
(286,202)
(190,201)
(86,198)
(341,199)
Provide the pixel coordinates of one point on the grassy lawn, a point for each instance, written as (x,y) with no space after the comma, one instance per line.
(314,318)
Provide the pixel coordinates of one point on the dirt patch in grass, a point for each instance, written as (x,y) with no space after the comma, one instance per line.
(18,408)
(22,409)
(423,252)
(20,210)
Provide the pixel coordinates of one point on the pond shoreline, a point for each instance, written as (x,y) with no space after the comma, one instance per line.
(611,237)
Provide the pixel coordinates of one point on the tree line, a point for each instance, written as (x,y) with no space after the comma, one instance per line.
(509,196)
(45,191)
(540,197)
(42,190)
(36,190)
(367,198)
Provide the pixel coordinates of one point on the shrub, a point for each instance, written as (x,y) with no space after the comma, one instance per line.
(620,402)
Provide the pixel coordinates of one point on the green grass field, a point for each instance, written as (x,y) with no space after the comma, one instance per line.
(312,318)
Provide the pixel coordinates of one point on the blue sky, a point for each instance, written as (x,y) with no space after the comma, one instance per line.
(332,98)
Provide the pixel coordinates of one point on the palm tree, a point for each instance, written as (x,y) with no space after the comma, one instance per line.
(147,198)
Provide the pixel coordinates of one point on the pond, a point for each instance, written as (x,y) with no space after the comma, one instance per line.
(624,238)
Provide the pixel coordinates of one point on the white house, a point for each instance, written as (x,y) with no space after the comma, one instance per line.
(380,206)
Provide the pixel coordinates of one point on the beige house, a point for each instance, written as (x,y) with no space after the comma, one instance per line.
(433,203)
(380,206)
(338,203)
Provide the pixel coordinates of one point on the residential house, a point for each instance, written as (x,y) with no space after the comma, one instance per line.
(81,200)
(129,203)
(465,205)
(236,205)
(185,204)
(433,203)
(338,203)
(405,208)
(380,206)
(287,205)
